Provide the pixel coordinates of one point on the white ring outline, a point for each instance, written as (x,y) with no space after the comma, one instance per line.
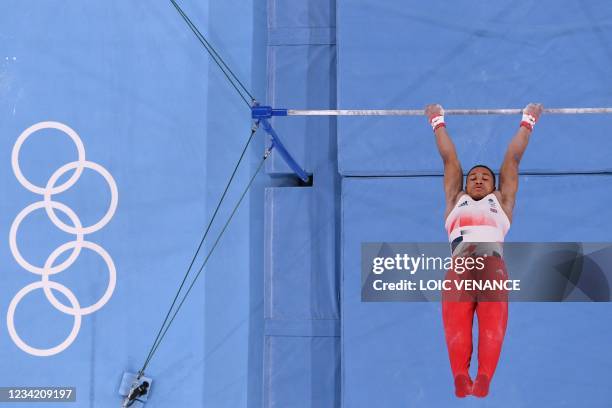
(48,191)
(15,248)
(111,281)
(29,131)
(10,323)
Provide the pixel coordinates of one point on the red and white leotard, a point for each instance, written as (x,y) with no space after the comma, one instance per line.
(476,228)
(477,221)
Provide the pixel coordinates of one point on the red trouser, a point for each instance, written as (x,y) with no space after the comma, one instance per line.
(458,309)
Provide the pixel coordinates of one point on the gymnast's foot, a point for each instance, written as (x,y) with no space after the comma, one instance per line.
(463,386)
(481,386)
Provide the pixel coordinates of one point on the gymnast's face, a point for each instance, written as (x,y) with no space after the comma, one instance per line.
(479,183)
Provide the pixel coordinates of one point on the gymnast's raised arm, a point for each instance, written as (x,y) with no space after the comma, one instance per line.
(508,175)
(453,175)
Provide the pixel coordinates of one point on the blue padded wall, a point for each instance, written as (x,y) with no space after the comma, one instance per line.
(398,349)
(302,344)
(473,55)
(302,336)
(298,261)
(301,75)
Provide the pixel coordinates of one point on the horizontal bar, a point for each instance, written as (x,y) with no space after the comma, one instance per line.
(420,112)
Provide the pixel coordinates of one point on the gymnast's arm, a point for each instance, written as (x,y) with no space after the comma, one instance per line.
(508,175)
(453,175)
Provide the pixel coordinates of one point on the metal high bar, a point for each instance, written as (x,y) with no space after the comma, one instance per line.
(421,112)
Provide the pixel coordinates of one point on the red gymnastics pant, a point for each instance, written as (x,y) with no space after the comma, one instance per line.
(458,309)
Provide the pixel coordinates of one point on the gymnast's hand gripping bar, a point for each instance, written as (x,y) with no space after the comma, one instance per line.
(266,112)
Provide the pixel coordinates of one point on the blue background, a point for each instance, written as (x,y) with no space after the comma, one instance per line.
(276,320)
(150,107)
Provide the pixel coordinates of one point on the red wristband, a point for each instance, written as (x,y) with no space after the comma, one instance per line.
(528,121)
(437,122)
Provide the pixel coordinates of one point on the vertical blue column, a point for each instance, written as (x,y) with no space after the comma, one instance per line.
(233,278)
(302,344)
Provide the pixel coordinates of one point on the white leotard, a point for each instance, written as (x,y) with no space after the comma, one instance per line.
(477,221)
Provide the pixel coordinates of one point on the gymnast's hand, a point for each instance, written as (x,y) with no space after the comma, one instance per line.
(531,114)
(435,114)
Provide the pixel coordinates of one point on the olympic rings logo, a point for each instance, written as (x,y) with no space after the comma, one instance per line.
(49,268)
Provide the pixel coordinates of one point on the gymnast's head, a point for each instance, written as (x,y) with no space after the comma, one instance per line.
(480,182)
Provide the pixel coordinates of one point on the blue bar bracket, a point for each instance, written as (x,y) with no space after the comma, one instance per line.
(266,112)
(276,143)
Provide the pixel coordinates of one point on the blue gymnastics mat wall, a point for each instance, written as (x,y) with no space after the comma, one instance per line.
(466,55)
(398,349)
(302,310)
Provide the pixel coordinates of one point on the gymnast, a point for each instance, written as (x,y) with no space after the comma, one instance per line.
(480,213)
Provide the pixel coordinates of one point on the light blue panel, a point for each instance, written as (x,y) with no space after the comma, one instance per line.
(398,349)
(302,74)
(300,265)
(301,303)
(289,358)
(102,76)
(301,14)
(309,69)
(133,81)
(302,343)
(473,55)
(232,281)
